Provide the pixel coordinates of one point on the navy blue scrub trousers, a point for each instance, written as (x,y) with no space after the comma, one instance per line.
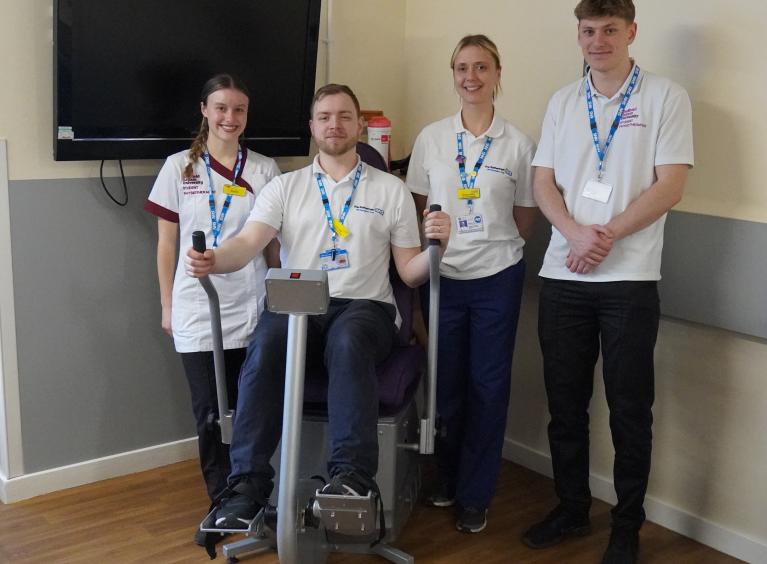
(477,329)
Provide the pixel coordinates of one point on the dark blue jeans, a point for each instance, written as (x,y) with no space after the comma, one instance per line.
(574,318)
(349,341)
(477,329)
(201,375)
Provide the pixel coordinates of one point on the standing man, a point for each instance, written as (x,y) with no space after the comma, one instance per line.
(342,216)
(613,158)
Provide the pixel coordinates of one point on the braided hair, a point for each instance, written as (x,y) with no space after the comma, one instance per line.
(218,82)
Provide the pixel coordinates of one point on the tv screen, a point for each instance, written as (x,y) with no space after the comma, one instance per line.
(128,73)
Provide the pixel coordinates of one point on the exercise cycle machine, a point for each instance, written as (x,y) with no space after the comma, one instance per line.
(306,525)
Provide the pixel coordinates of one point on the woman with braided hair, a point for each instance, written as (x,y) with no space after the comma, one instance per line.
(210,187)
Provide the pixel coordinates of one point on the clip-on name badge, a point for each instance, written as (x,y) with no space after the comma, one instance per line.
(334,259)
(234,190)
(470,223)
(597,191)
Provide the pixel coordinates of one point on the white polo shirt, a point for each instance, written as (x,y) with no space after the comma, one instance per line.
(382,213)
(504,181)
(185,201)
(655,130)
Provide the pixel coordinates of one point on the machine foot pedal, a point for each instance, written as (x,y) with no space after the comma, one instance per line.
(254,527)
(345,514)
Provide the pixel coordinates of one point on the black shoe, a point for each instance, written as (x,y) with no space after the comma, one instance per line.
(239,509)
(471,520)
(348,483)
(623,547)
(558,525)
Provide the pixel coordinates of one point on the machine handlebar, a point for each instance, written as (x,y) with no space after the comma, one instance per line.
(198,241)
(433,208)
(226,415)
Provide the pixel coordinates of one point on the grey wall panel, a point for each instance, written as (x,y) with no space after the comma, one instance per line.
(97,375)
(715,272)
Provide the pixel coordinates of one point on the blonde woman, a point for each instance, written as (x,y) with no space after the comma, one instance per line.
(477,165)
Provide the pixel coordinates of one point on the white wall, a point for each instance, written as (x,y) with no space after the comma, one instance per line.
(367,42)
(715,50)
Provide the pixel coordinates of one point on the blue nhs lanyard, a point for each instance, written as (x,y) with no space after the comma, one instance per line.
(347,204)
(462,160)
(218,224)
(602,152)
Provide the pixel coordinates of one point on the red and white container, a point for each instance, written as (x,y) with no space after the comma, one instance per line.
(379,135)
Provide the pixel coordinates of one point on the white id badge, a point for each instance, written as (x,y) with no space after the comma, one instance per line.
(598,191)
(470,223)
(334,259)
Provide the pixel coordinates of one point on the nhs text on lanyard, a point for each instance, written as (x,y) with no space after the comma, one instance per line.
(229,189)
(596,189)
(470,222)
(336,258)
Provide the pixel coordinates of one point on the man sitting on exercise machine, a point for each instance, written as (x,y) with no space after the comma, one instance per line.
(342,216)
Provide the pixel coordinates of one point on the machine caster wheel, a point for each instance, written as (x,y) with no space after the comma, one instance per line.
(232,560)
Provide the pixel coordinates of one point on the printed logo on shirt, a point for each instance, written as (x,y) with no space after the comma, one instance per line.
(499,170)
(193,186)
(630,118)
(365,209)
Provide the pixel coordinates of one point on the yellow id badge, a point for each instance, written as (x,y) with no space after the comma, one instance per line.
(468,193)
(234,190)
(341,230)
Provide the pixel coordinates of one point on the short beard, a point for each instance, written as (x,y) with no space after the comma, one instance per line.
(336,150)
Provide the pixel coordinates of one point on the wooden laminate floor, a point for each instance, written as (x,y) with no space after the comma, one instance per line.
(151,517)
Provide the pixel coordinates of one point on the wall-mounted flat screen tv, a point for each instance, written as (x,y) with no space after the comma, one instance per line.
(128,73)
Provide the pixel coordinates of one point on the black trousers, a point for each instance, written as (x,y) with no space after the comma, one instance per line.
(214,455)
(575,318)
